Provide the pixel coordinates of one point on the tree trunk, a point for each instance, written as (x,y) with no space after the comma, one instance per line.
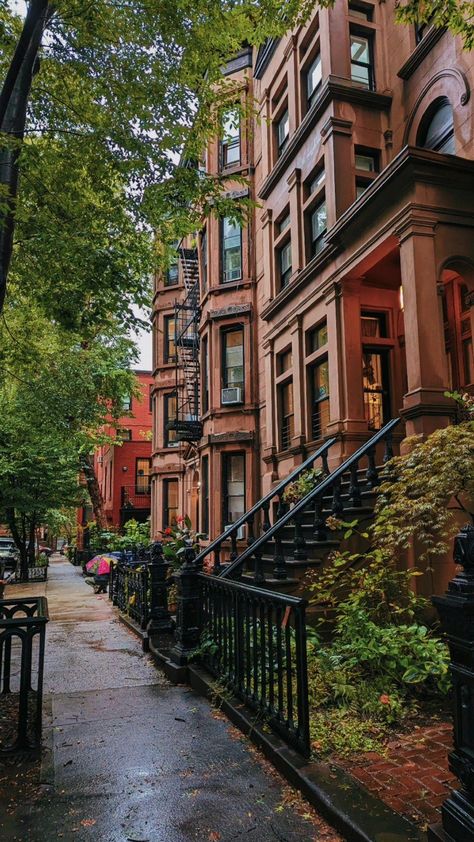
(87,466)
(14,98)
(19,537)
(32,542)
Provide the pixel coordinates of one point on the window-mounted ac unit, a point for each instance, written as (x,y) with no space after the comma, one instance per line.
(231,395)
(240,532)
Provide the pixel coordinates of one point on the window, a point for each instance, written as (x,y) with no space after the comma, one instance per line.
(313,80)
(287,415)
(142,476)
(170,502)
(361,60)
(316,181)
(319,399)
(366,166)
(204,260)
(231,251)
(205,374)
(283,132)
(366,161)
(318,219)
(284,223)
(169,347)
(172,273)
(205,495)
(373,325)
(127,403)
(230,143)
(284,361)
(375,387)
(124,435)
(437,128)
(233,487)
(169,435)
(360,11)
(233,359)
(317,338)
(284,259)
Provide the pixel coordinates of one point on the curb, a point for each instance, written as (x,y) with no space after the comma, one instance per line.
(353,811)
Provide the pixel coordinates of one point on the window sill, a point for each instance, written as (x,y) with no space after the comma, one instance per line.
(420,52)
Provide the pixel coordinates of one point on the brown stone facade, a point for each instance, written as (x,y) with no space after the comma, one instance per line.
(351,299)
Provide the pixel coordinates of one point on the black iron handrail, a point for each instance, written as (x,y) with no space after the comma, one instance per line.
(258,649)
(332,481)
(263,505)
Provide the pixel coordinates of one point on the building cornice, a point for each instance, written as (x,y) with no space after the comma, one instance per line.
(334,88)
(420,52)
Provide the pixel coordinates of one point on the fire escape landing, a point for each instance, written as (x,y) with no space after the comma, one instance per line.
(188,425)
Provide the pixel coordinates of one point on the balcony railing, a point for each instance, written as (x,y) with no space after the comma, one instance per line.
(136,496)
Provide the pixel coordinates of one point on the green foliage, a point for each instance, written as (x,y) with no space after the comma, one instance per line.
(177,538)
(381,661)
(134,535)
(305,483)
(456,15)
(422,490)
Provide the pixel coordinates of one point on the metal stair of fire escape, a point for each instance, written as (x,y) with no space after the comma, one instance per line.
(187,314)
(297,537)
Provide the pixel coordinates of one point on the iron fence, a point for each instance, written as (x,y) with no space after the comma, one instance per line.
(22,644)
(129,589)
(255,642)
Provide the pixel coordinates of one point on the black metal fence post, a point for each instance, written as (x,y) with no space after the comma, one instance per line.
(188,615)
(456,611)
(160,617)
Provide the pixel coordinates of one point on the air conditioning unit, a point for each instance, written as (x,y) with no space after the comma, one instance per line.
(100,460)
(240,532)
(231,395)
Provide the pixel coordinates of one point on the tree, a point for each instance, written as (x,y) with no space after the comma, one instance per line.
(56,393)
(132,83)
(455,15)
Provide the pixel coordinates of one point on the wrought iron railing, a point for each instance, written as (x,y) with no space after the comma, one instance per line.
(260,516)
(325,498)
(254,641)
(129,589)
(22,644)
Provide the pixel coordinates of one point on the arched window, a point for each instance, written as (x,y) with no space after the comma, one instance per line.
(437,128)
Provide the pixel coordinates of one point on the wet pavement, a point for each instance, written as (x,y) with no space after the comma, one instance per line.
(131,758)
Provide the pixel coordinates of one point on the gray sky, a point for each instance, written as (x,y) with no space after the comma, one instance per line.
(144,343)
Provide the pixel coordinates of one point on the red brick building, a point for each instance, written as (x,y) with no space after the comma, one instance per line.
(348,298)
(124,470)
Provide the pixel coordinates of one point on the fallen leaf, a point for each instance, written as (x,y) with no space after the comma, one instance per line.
(88,822)
(214,836)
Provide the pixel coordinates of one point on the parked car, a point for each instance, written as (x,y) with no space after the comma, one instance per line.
(46,550)
(9,554)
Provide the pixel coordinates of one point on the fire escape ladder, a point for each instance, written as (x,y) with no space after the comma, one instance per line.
(187,314)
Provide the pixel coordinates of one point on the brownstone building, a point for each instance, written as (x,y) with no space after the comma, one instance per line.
(348,298)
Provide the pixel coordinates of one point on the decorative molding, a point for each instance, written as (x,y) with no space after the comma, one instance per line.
(334,88)
(335,125)
(420,52)
(231,310)
(294,178)
(230,437)
(242,60)
(442,74)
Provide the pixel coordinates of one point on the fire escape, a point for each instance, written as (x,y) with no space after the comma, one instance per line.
(187,314)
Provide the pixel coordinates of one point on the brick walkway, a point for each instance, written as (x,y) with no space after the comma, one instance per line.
(413,778)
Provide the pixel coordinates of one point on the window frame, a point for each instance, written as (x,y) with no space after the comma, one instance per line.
(204,260)
(205,495)
(443,136)
(167,482)
(224,333)
(223,146)
(167,357)
(368,35)
(225,460)
(205,374)
(223,250)
(167,442)
(145,492)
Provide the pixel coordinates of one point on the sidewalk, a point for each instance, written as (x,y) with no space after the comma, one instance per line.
(130,758)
